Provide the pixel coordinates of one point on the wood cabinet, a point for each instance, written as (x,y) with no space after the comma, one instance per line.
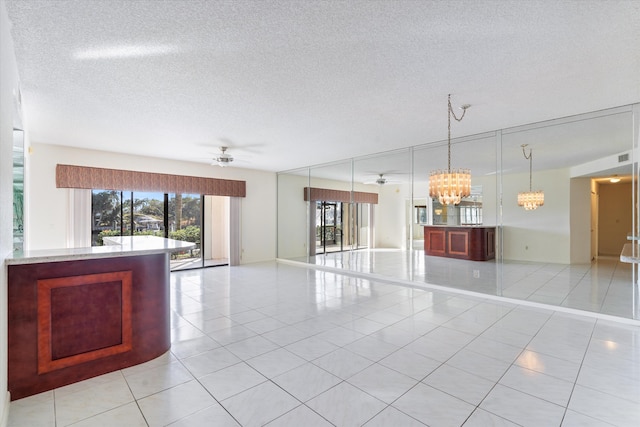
(74,314)
(69,321)
(471,243)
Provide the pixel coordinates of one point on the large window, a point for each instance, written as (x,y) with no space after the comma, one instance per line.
(470,215)
(148,214)
(106,214)
(175,216)
(125,213)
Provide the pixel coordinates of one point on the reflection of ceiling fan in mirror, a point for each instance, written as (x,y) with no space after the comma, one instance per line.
(381,180)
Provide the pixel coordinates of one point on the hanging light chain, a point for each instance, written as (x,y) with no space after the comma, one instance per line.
(450,186)
(452,113)
(530,158)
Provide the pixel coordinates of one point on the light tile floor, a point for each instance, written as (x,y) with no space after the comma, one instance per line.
(280,345)
(603,286)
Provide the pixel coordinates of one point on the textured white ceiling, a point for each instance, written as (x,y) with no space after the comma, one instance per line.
(288,84)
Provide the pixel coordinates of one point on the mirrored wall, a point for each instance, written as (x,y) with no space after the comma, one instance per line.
(369,214)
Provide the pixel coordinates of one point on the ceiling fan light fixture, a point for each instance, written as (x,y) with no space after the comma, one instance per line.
(381,180)
(224,159)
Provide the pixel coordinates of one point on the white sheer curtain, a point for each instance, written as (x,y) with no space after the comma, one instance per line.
(79,226)
(235,203)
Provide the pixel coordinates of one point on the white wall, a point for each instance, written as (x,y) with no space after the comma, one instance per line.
(8,84)
(48,205)
(580,230)
(541,235)
(390,216)
(490,207)
(292,216)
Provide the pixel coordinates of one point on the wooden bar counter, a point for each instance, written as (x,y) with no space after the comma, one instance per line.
(464,242)
(78,313)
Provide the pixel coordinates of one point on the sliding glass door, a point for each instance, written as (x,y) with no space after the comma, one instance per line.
(359,236)
(328,227)
(185,224)
(175,216)
(341,226)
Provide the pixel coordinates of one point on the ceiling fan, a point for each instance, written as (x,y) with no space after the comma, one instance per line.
(381,180)
(223,159)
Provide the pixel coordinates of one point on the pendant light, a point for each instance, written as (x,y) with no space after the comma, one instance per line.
(530,200)
(450,186)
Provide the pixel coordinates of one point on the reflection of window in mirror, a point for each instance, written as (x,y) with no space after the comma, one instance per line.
(470,209)
(18,189)
(439,213)
(468,212)
(421,214)
(471,215)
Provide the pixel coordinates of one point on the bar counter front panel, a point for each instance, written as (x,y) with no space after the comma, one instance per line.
(73,320)
(470,243)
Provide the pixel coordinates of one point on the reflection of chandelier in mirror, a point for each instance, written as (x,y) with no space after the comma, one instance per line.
(530,200)
(449,187)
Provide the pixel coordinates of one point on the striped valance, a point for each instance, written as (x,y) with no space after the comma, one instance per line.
(318,194)
(68,176)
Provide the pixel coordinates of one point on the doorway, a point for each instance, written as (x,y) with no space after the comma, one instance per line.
(615,217)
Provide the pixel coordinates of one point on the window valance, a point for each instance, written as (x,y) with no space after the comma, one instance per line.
(69,176)
(317,194)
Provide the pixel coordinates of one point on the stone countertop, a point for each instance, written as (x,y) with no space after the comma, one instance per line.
(115,247)
(629,255)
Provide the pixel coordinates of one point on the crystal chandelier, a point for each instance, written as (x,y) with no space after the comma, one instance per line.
(530,200)
(450,186)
